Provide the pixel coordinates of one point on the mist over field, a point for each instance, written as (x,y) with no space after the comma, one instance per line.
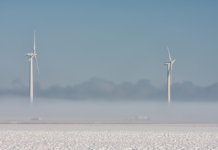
(101,111)
(102,101)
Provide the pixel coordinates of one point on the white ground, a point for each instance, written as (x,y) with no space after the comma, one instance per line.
(107,136)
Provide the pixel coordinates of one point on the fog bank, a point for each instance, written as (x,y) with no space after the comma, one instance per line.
(44,110)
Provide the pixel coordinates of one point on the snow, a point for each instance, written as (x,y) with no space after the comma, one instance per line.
(107,136)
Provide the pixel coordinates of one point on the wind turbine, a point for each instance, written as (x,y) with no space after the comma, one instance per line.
(31,56)
(169,74)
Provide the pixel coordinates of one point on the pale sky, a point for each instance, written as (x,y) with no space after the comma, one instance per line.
(114,40)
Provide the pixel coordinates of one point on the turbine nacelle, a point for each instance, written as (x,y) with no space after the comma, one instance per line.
(31,54)
(173,61)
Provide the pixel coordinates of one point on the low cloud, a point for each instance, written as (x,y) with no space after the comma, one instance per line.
(97,88)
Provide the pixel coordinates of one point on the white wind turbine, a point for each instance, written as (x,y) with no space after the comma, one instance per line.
(169,73)
(32,55)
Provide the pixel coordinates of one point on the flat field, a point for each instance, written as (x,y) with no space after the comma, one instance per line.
(108,136)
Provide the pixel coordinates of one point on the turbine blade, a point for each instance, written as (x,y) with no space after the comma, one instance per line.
(169,53)
(171,71)
(34,43)
(171,67)
(37,65)
(38,80)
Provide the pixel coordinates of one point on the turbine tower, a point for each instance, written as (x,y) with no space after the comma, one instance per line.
(169,74)
(31,56)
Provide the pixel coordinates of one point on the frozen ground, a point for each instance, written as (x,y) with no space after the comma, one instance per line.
(107,136)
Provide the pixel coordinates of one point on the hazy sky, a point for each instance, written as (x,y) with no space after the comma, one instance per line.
(114,40)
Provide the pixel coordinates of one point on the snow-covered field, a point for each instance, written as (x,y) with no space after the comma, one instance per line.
(107,136)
